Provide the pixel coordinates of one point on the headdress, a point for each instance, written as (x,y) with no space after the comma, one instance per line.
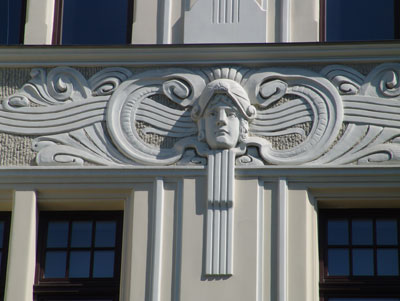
(230,88)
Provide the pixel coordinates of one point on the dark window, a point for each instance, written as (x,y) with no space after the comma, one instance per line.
(93,22)
(4,238)
(359,20)
(12,21)
(364,299)
(359,255)
(79,256)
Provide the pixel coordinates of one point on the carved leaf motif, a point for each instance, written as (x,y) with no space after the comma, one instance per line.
(89,144)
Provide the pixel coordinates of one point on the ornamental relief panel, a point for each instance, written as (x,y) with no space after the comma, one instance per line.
(269,116)
(219,117)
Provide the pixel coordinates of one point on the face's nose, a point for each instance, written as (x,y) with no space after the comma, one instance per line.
(221,118)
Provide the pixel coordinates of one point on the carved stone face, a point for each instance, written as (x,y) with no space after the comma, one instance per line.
(222,123)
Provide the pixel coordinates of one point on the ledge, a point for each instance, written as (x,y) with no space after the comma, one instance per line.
(156,55)
(128,175)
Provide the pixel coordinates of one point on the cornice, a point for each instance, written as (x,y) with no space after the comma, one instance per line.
(95,174)
(168,55)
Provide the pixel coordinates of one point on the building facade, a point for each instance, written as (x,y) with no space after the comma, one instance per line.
(200,172)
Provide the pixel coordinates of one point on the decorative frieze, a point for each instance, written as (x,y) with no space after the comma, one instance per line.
(220,116)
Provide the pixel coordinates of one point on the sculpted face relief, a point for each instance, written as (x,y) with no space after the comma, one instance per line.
(222,123)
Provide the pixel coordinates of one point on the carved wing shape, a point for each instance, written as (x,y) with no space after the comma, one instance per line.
(67,112)
(164,121)
(148,117)
(300,114)
(371,115)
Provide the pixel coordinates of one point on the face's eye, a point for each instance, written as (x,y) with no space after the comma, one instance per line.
(231,114)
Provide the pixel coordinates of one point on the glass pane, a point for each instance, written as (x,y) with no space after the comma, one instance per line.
(95,22)
(359,20)
(338,262)
(57,235)
(105,234)
(362,232)
(363,262)
(338,232)
(80,299)
(386,232)
(103,266)
(363,299)
(1,234)
(387,261)
(81,234)
(55,264)
(11,15)
(79,264)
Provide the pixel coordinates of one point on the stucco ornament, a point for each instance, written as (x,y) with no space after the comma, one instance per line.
(220,116)
(222,113)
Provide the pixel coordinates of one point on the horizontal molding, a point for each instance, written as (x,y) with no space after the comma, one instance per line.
(118,178)
(156,55)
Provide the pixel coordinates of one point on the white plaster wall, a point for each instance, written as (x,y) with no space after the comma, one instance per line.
(225,21)
(144,28)
(157,22)
(304,21)
(181,220)
(22,247)
(39,22)
(303,274)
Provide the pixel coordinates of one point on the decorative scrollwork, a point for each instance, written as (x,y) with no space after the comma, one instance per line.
(383,81)
(293,116)
(222,117)
(347,80)
(63,85)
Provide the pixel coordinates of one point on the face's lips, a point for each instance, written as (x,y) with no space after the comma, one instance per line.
(221,132)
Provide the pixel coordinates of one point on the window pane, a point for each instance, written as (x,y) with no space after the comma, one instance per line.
(386,232)
(95,22)
(55,264)
(79,264)
(103,266)
(81,234)
(387,261)
(105,234)
(338,262)
(80,299)
(363,299)
(362,232)
(338,232)
(363,262)
(351,20)
(11,21)
(1,234)
(57,235)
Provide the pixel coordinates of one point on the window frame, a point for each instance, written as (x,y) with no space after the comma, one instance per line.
(77,288)
(6,217)
(58,21)
(355,286)
(323,21)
